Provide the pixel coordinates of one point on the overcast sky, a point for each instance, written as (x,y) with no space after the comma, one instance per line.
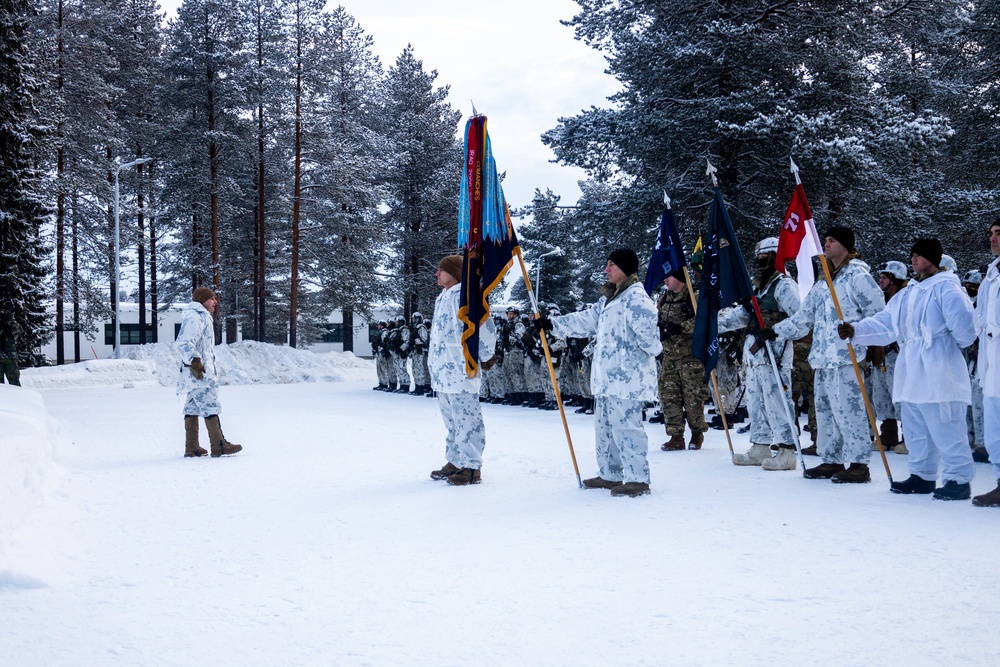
(513,58)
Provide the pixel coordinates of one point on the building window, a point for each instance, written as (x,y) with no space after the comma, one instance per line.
(129,334)
(334,333)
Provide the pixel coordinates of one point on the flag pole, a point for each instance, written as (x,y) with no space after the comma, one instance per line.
(710,171)
(548,361)
(850,350)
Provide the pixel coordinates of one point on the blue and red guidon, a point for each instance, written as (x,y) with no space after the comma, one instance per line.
(724,282)
(485,233)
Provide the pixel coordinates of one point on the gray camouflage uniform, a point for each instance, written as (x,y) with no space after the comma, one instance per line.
(623,375)
(458,394)
(768,417)
(844,435)
(197,339)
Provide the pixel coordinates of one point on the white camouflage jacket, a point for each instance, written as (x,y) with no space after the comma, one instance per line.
(988,328)
(859,297)
(445,359)
(626,343)
(786,293)
(932,320)
(196,339)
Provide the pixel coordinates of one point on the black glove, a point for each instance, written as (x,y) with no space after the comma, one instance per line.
(197,368)
(668,329)
(687,310)
(766,334)
(542,323)
(845,330)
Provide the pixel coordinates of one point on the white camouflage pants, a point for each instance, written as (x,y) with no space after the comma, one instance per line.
(421,375)
(388,370)
(975,414)
(620,440)
(769,423)
(844,433)
(466,438)
(881,393)
(402,372)
(991,430)
(202,402)
(935,434)
(513,371)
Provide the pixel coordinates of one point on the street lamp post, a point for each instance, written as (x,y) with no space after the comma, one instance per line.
(118,283)
(538,269)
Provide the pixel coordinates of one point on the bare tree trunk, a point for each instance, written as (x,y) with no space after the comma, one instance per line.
(76,280)
(296,195)
(60,198)
(141,221)
(111,245)
(260,291)
(153,304)
(348,330)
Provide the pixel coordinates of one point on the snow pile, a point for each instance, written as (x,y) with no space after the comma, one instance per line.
(27,436)
(248,362)
(94,373)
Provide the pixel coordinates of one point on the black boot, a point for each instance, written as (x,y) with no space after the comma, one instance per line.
(952,490)
(913,484)
(590,407)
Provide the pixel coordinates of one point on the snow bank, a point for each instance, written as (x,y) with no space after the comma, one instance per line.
(95,373)
(27,437)
(243,363)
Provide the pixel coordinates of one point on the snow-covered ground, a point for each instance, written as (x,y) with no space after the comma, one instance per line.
(325,543)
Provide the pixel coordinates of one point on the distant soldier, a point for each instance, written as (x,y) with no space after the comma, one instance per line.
(681,379)
(513,360)
(380,369)
(385,348)
(421,336)
(988,328)
(971,281)
(199,378)
(401,347)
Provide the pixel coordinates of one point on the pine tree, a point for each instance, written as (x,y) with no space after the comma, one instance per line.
(22,313)
(422,175)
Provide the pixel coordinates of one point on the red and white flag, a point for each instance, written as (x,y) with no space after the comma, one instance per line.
(799,241)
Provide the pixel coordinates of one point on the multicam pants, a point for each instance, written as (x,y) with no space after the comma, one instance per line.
(844,435)
(202,402)
(620,440)
(466,438)
(682,393)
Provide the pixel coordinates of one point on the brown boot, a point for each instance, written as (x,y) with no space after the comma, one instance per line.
(823,471)
(600,483)
(446,471)
(465,476)
(697,440)
(675,444)
(191,446)
(631,489)
(857,473)
(991,499)
(220,446)
(810,450)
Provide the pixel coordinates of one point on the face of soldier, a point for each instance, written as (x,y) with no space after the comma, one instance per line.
(884,281)
(673,284)
(211,304)
(995,239)
(511,316)
(445,279)
(614,274)
(834,250)
(921,265)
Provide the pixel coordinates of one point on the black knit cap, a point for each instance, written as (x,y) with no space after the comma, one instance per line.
(842,235)
(929,249)
(625,259)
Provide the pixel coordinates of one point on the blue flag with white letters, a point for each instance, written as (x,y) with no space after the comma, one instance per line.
(668,256)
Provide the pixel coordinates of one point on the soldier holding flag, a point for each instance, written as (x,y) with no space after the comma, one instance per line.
(844,438)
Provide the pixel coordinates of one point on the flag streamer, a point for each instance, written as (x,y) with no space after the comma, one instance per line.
(485,233)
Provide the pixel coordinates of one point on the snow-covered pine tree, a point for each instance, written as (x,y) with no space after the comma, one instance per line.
(548,227)
(423,174)
(22,312)
(746,84)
